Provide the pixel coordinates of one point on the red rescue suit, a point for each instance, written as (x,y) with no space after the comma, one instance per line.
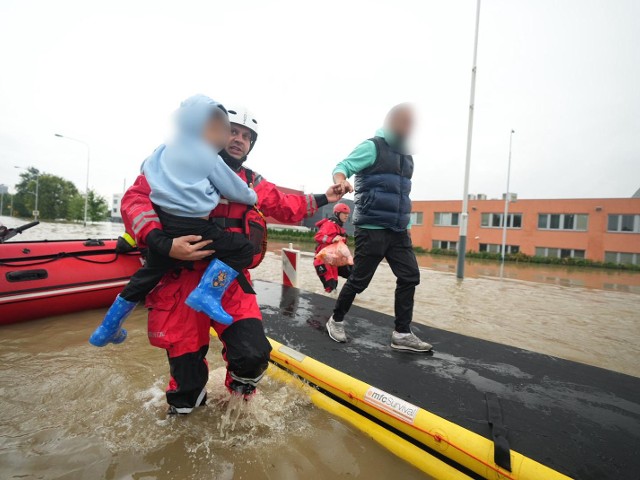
(328,230)
(183,332)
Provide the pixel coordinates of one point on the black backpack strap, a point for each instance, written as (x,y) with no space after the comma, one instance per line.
(249,174)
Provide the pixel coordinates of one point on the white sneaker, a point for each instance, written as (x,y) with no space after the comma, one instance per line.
(408,341)
(336,330)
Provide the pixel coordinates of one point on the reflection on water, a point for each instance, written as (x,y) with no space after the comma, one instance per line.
(598,278)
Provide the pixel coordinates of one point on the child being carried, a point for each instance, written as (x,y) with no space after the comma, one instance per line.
(187,178)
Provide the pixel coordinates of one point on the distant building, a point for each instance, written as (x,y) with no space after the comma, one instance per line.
(637,194)
(116,216)
(600,229)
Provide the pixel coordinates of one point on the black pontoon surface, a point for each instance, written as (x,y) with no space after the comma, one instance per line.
(580,420)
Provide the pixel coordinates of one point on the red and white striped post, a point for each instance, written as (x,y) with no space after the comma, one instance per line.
(290,262)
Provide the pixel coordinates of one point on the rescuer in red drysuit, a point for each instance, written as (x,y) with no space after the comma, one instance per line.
(180,330)
(331,230)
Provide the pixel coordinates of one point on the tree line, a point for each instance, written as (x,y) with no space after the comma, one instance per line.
(58,199)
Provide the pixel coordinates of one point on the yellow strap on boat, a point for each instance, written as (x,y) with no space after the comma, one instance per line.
(129,239)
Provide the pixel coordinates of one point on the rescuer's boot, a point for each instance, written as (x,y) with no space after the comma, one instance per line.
(245,387)
(110,330)
(207,296)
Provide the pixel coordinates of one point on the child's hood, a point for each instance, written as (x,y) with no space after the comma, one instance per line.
(193,114)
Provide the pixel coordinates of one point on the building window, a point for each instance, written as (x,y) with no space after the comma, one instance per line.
(622,258)
(497,248)
(416,218)
(443,244)
(624,223)
(563,221)
(559,252)
(491,220)
(446,219)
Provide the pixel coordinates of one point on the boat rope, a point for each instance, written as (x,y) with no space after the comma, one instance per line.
(60,256)
(438,438)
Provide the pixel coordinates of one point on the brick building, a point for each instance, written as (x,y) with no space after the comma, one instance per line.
(600,229)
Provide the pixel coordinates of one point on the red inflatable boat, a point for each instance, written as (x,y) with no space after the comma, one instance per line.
(46,278)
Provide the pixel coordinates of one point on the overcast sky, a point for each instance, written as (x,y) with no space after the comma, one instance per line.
(320,77)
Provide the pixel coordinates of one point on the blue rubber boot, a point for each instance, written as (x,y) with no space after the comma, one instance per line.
(110,330)
(207,296)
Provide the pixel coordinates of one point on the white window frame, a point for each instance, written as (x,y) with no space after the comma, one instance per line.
(498,248)
(446,215)
(636,223)
(561,222)
(559,249)
(635,258)
(414,218)
(510,218)
(449,242)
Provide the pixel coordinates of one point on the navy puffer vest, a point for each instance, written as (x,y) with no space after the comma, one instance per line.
(382,190)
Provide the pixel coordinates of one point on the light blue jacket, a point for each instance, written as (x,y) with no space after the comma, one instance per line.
(187,176)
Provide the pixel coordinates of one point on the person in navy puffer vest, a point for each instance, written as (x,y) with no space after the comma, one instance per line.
(383,171)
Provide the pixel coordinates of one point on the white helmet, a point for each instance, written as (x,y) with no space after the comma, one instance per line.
(242,116)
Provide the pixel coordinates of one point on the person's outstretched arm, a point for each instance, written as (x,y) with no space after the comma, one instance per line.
(363,156)
(230,185)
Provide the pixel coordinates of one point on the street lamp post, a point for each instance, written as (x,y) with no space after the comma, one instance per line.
(3,189)
(507,199)
(36,213)
(464,216)
(86,193)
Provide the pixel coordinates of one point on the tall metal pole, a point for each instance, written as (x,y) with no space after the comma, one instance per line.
(37,213)
(507,198)
(464,216)
(86,194)
(86,187)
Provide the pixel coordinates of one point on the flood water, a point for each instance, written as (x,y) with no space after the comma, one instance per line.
(71,411)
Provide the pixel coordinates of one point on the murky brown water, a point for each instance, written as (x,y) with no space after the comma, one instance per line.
(70,411)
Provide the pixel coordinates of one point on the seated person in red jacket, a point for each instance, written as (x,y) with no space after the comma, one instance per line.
(332,230)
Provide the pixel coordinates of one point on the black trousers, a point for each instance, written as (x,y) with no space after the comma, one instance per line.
(372,246)
(234,249)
